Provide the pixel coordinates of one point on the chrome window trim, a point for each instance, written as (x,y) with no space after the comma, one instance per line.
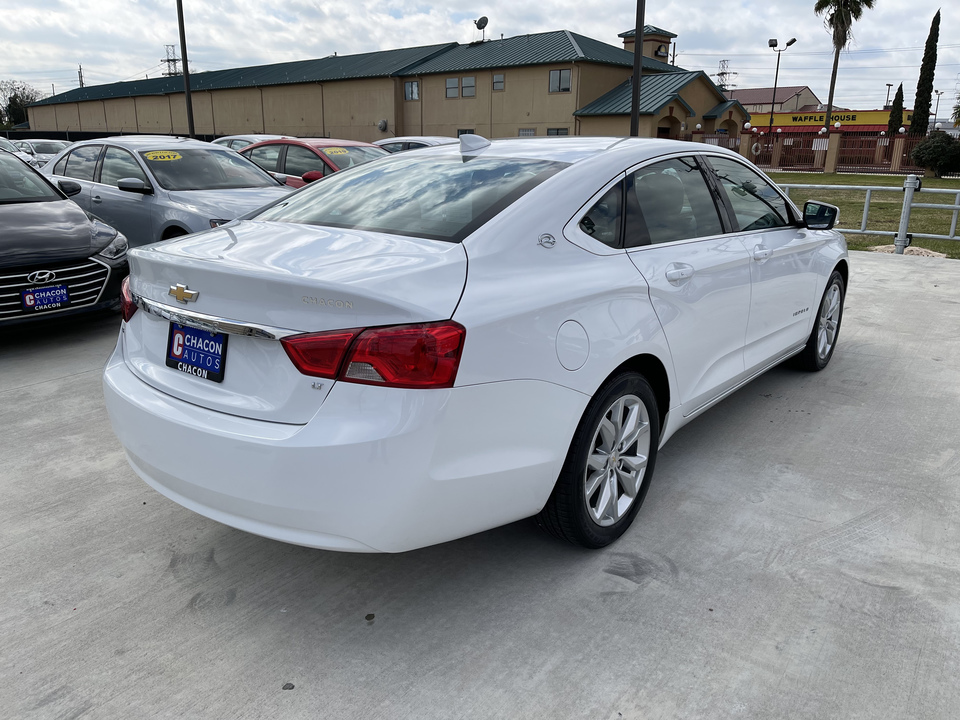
(212,323)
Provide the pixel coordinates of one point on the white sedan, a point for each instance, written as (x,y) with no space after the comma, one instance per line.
(441,342)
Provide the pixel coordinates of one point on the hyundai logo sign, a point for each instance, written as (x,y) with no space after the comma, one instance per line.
(41,276)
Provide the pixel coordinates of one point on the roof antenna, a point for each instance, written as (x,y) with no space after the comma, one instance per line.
(481,24)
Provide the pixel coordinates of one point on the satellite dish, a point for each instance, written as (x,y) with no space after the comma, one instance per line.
(481,23)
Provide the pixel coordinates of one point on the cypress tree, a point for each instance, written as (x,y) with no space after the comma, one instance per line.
(921,105)
(896,114)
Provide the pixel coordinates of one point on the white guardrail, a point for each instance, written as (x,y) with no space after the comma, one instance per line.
(911,186)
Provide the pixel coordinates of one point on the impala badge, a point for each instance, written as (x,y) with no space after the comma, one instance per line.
(182,294)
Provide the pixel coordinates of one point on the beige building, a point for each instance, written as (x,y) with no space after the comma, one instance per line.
(528,85)
(791,98)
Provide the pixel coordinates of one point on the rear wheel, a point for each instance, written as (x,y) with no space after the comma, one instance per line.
(608,467)
(826,328)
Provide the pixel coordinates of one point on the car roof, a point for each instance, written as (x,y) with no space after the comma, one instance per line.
(573,148)
(149,142)
(431,139)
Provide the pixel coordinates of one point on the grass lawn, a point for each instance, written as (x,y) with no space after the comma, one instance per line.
(884,207)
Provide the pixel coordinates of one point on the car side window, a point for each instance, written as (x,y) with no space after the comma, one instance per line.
(393,147)
(755,203)
(602,221)
(119,164)
(82,162)
(669,201)
(300,160)
(266,156)
(61,165)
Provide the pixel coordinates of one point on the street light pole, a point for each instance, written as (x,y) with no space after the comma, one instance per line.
(637,70)
(772,42)
(886,103)
(935,112)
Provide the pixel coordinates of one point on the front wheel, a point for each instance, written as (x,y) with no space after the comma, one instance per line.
(826,328)
(608,467)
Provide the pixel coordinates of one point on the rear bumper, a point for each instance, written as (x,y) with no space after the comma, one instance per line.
(376,470)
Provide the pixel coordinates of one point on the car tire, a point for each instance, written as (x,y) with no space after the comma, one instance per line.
(608,466)
(826,327)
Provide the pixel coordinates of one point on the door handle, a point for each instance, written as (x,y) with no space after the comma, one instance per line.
(96,199)
(760,253)
(678,272)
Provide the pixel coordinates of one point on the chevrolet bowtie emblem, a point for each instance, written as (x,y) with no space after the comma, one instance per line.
(182,294)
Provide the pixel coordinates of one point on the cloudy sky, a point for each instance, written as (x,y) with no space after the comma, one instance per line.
(45,40)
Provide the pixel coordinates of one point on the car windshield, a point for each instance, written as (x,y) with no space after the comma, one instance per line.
(48,148)
(204,169)
(345,157)
(442,198)
(20,184)
(7,145)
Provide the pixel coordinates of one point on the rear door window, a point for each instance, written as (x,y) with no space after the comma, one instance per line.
(82,162)
(669,201)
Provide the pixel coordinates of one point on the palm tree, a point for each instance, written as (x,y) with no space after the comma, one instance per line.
(840,16)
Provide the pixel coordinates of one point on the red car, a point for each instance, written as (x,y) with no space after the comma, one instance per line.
(304,160)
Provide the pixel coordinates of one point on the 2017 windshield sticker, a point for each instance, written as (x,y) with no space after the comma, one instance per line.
(335,151)
(162,155)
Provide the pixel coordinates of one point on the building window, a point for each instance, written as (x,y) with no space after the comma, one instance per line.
(498,82)
(558,131)
(559,81)
(453,87)
(468,87)
(466,132)
(527,132)
(411,90)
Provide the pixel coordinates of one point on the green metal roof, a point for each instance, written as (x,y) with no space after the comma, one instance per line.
(538,49)
(655,92)
(648,30)
(722,108)
(384,63)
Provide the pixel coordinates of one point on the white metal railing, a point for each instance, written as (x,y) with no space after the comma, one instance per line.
(911,186)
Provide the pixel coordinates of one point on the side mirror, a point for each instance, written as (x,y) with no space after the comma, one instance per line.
(280,178)
(312,175)
(134,185)
(69,187)
(820,216)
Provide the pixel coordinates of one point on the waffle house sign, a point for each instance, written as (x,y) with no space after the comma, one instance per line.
(858,120)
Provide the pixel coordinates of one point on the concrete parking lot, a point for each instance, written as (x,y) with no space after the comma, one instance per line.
(798,555)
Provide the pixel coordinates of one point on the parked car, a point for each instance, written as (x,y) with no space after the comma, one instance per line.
(235,142)
(333,373)
(42,150)
(414,142)
(9,147)
(55,259)
(304,160)
(155,187)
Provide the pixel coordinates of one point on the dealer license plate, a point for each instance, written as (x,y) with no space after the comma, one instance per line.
(197,352)
(46,298)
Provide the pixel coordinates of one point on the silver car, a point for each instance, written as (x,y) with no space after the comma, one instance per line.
(154,188)
(43,151)
(235,142)
(9,147)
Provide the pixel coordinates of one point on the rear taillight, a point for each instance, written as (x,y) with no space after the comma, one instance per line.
(403,356)
(127,306)
(319,354)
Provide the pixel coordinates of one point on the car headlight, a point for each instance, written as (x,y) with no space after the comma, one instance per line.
(218,223)
(116,248)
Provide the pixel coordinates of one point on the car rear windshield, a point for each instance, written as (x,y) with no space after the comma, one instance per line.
(441,198)
(345,157)
(7,145)
(202,169)
(20,184)
(48,148)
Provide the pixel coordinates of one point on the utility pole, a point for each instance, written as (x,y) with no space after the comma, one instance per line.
(637,70)
(186,71)
(80,74)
